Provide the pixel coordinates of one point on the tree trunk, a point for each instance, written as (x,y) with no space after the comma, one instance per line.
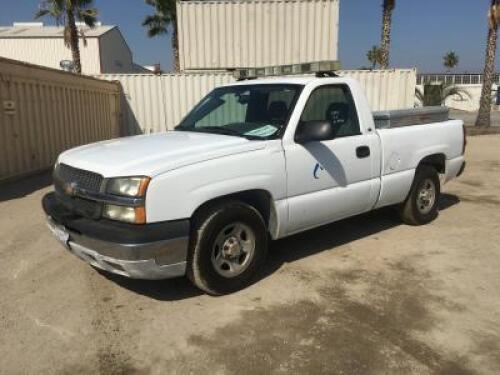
(175,46)
(386,38)
(484,115)
(73,40)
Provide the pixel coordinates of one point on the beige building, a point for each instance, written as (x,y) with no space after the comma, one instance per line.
(106,50)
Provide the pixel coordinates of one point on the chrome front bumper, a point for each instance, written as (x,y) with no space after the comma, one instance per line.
(99,255)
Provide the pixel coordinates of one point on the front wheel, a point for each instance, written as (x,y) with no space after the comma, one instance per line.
(228,246)
(421,205)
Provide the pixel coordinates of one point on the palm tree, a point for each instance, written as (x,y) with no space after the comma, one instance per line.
(484,115)
(388,6)
(374,56)
(450,61)
(157,24)
(66,12)
(439,95)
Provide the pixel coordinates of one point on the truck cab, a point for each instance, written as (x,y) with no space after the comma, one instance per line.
(254,161)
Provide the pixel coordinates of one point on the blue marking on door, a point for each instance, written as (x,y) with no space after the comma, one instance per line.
(317,168)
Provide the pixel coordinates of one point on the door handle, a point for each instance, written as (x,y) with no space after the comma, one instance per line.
(363,152)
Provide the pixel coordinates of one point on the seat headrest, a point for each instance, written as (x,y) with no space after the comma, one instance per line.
(337,113)
(277,110)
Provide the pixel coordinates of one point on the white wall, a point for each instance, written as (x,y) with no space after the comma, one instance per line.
(116,56)
(50,51)
(469,104)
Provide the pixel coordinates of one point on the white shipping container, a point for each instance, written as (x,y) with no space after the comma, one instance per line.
(235,34)
(156,103)
(387,89)
(159,102)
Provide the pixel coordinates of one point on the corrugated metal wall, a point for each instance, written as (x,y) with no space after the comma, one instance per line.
(44,112)
(155,103)
(228,34)
(387,89)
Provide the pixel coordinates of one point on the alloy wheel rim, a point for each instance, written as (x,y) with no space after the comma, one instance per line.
(426,196)
(233,249)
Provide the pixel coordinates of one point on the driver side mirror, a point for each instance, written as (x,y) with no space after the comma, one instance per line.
(314,131)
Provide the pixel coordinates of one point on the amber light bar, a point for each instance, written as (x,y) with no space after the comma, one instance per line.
(283,70)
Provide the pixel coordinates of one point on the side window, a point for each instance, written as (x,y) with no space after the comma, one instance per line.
(336,105)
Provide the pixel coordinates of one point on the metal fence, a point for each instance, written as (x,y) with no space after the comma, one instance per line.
(155,103)
(454,79)
(44,112)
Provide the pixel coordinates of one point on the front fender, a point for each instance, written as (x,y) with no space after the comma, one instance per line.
(177,194)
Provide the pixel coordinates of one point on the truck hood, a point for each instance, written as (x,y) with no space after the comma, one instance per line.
(151,155)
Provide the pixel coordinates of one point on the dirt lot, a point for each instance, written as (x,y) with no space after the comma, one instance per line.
(366,295)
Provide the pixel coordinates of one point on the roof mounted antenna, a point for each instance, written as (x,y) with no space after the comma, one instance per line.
(319,68)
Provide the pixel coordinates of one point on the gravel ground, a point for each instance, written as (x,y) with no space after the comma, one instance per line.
(363,296)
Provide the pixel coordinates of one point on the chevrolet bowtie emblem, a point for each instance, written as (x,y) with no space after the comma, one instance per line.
(70,189)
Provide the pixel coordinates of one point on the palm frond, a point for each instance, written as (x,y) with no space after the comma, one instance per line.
(42,13)
(88,16)
(450,90)
(156,25)
(164,15)
(419,95)
(439,94)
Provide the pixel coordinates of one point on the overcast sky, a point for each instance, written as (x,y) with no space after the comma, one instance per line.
(423,31)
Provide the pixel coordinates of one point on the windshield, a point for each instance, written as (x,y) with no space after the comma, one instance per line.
(250,111)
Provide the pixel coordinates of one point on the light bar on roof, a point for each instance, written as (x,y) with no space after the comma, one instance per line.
(283,70)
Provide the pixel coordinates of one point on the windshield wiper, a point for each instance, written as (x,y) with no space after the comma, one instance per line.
(219,130)
(227,131)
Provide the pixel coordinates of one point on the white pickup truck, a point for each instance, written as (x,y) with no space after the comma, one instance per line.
(254,160)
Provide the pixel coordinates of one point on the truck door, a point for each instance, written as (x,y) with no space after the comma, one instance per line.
(332,179)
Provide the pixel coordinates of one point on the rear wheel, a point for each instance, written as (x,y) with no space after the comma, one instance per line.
(421,205)
(228,246)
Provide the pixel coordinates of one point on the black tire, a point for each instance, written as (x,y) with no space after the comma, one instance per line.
(413,211)
(208,226)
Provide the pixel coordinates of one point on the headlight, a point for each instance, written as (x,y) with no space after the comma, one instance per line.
(128,186)
(133,215)
(132,187)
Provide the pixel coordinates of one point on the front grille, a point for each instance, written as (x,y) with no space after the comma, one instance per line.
(83,179)
(81,206)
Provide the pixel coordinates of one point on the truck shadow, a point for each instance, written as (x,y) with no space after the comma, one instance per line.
(162,290)
(25,186)
(287,250)
(332,236)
